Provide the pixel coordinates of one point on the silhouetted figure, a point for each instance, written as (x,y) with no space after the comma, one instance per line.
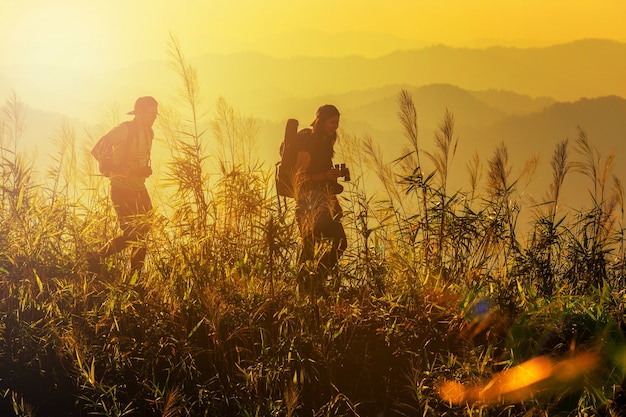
(124,157)
(318,212)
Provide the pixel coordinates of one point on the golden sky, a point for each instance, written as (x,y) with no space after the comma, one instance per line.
(89,35)
(57,55)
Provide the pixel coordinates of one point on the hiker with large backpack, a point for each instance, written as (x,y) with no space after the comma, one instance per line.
(123,155)
(315,188)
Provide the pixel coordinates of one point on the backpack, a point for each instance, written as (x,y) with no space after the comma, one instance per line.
(288,154)
(104,148)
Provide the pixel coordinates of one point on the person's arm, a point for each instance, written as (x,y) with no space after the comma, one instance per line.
(303,160)
(115,162)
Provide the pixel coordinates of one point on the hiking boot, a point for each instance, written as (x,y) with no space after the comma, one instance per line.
(93,262)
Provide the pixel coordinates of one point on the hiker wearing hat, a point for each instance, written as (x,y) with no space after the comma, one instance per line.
(124,157)
(318,212)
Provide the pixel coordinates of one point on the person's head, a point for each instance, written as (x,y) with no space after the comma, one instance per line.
(326,120)
(145,111)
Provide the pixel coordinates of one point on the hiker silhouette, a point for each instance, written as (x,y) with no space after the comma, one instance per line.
(318,211)
(124,156)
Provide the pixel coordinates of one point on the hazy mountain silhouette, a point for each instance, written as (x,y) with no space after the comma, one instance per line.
(43,131)
(527,98)
(482,118)
(567,72)
(537,134)
(471,109)
(265,87)
(512,103)
(315,43)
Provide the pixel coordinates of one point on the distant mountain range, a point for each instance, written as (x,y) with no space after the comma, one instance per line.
(528,99)
(265,87)
(586,68)
(483,120)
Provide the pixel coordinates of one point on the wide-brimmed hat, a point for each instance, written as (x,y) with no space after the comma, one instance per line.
(143,103)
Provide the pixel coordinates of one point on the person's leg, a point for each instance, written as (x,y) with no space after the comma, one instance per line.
(139,231)
(131,208)
(122,203)
(307,250)
(333,231)
(342,240)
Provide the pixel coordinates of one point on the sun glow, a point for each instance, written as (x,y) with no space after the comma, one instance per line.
(58,35)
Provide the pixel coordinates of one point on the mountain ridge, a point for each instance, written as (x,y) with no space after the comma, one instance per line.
(565,72)
(480,127)
(366,91)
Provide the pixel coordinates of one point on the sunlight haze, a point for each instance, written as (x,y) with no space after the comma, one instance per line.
(312,208)
(278,59)
(91,35)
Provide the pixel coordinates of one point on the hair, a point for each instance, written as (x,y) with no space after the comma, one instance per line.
(324,113)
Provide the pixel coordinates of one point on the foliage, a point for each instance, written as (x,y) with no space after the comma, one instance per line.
(436,285)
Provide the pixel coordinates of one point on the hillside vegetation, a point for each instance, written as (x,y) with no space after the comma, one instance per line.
(441,307)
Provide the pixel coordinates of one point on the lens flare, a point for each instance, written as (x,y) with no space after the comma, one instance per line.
(538,375)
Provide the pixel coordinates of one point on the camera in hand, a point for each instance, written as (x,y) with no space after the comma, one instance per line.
(344,171)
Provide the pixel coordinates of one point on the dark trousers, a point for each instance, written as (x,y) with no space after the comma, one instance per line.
(319,231)
(131,207)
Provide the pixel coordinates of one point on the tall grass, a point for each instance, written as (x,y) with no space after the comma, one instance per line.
(436,285)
